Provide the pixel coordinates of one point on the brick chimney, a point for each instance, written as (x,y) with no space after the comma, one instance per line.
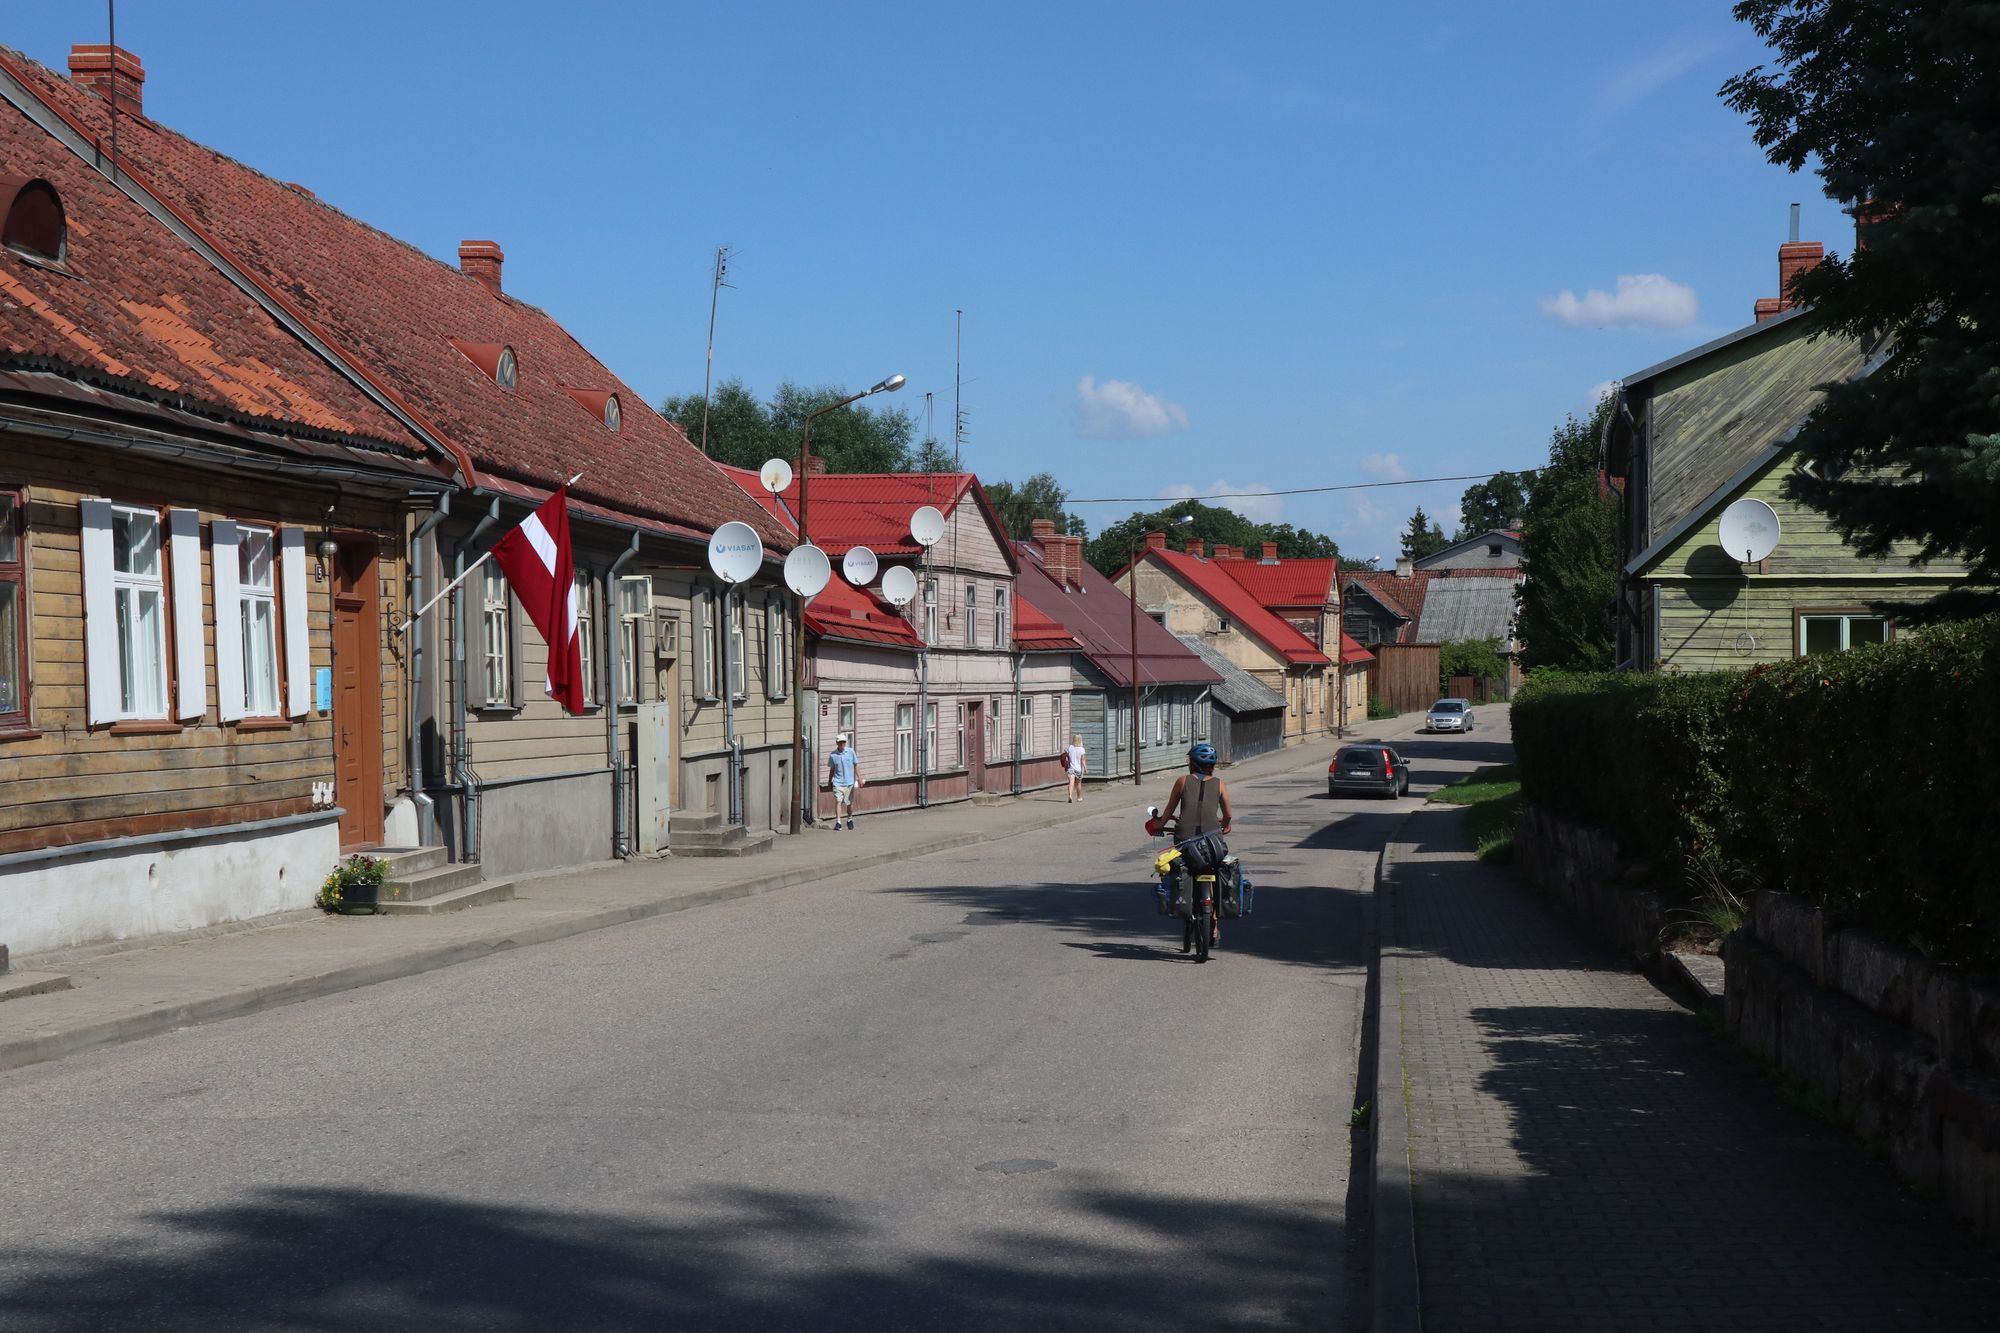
(1041,529)
(1225,552)
(1196,547)
(1074,545)
(482,260)
(1156,541)
(101,68)
(816,464)
(1794,257)
(1270,553)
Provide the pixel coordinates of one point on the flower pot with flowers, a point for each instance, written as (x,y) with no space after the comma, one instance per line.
(354,887)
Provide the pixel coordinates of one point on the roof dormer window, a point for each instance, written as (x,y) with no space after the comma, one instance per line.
(611,417)
(32,221)
(600,403)
(507,374)
(496,359)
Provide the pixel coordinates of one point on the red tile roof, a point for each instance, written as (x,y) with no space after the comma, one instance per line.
(1035,632)
(872,509)
(392,312)
(1100,618)
(1398,593)
(843,611)
(1234,600)
(135,309)
(1351,651)
(1288,583)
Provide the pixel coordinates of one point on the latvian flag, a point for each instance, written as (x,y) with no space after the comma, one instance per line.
(536,560)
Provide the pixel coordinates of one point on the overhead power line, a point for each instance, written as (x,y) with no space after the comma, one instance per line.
(1300,490)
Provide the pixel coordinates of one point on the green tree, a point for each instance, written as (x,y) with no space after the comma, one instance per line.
(1896,103)
(1569,547)
(1040,496)
(1423,536)
(1111,548)
(744,432)
(933,457)
(1494,504)
(1297,543)
(1479,658)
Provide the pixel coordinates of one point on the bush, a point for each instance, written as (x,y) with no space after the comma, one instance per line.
(1378,710)
(1863,780)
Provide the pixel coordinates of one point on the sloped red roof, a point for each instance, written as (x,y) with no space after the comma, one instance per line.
(872,509)
(400,317)
(134,308)
(1288,583)
(1352,651)
(1398,593)
(843,611)
(1036,632)
(1235,600)
(1100,618)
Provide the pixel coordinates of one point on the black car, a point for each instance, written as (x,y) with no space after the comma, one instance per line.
(1369,767)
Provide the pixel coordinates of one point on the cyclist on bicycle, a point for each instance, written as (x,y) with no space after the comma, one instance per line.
(1202,808)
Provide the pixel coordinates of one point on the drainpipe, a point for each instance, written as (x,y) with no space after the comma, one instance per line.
(1018,658)
(729,740)
(621,843)
(425,807)
(468,836)
(923,705)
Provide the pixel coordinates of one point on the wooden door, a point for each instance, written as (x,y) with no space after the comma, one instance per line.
(975,745)
(357,693)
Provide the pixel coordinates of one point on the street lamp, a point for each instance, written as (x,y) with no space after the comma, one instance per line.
(890,385)
(1132,565)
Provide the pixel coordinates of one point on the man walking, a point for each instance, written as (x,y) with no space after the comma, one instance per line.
(843,772)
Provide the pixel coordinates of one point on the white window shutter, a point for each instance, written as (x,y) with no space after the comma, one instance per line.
(100,614)
(223,559)
(292,593)
(184,550)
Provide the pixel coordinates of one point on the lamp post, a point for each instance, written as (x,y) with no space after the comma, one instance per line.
(1132,565)
(890,385)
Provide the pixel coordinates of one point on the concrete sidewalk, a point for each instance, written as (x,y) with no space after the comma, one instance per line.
(1562,1147)
(120,996)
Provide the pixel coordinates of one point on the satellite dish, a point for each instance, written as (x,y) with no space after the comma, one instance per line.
(776,474)
(1749,530)
(859,566)
(735,553)
(927,525)
(807,570)
(899,585)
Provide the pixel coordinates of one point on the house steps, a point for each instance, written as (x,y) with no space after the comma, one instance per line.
(422,883)
(707,835)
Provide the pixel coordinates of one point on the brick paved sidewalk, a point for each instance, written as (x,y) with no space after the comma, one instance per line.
(1585,1155)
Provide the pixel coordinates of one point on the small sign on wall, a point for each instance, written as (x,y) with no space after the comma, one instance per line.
(323,689)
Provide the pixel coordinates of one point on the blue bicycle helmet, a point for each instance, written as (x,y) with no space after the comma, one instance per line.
(1203,753)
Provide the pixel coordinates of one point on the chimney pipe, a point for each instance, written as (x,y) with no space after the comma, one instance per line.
(482,260)
(1196,547)
(1795,224)
(106,70)
(1041,529)
(1404,567)
(1794,257)
(1156,541)
(1270,553)
(816,464)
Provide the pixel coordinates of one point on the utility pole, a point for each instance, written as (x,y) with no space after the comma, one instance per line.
(708,374)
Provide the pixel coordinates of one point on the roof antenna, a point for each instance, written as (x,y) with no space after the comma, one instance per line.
(1795,224)
(957,412)
(714,291)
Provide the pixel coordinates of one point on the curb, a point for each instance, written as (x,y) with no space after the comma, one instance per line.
(1395,1283)
(22,1051)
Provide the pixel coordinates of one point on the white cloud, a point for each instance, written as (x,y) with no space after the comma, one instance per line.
(1252,499)
(1120,410)
(1630,84)
(1642,301)
(1383,467)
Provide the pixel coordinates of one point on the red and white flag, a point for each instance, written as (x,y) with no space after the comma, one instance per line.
(535,557)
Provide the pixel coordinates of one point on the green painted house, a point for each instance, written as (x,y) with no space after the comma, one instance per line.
(1686,439)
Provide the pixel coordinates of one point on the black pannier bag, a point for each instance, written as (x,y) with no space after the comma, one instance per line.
(1180,891)
(1203,854)
(1229,888)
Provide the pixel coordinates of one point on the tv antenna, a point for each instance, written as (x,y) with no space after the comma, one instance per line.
(714,293)
(957,409)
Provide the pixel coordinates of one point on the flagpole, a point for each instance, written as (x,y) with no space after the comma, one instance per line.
(445,591)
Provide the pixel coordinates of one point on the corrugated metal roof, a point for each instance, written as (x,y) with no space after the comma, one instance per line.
(1467,608)
(1238,690)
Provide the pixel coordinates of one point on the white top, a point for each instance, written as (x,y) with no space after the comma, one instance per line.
(1075,753)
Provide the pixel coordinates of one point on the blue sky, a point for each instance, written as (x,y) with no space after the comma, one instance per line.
(1199,247)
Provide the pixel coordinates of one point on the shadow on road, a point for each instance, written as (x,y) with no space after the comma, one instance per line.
(335,1260)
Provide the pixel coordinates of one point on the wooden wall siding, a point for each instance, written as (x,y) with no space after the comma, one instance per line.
(73,784)
(1708,419)
(970,544)
(1725,627)
(1404,676)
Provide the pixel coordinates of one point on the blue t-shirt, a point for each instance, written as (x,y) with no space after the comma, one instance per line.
(842,764)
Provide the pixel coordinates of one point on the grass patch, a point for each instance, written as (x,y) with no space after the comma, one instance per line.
(1494,797)
(1378,711)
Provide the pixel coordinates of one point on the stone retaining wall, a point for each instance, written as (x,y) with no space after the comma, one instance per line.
(1905,1052)
(1580,865)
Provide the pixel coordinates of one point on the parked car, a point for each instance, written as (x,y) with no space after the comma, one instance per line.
(1449,715)
(1371,768)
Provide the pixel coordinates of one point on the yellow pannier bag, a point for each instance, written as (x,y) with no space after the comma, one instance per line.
(1163,864)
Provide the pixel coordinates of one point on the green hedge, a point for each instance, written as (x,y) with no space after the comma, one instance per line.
(1868,781)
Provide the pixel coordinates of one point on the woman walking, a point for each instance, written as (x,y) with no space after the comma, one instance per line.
(1073,765)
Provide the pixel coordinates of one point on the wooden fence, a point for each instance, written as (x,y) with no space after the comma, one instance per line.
(1403,676)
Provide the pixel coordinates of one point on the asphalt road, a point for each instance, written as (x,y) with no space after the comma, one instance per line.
(969,1091)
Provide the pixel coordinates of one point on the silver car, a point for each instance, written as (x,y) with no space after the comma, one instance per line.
(1449,715)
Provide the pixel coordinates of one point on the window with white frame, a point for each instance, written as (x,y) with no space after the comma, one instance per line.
(1159,724)
(1000,610)
(707,642)
(1836,632)
(140,597)
(1202,709)
(586,638)
(1057,736)
(994,726)
(257,619)
(13,612)
(905,738)
(635,607)
(972,615)
(1024,726)
(959,761)
(846,727)
(930,738)
(737,669)
(930,613)
(496,619)
(777,649)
